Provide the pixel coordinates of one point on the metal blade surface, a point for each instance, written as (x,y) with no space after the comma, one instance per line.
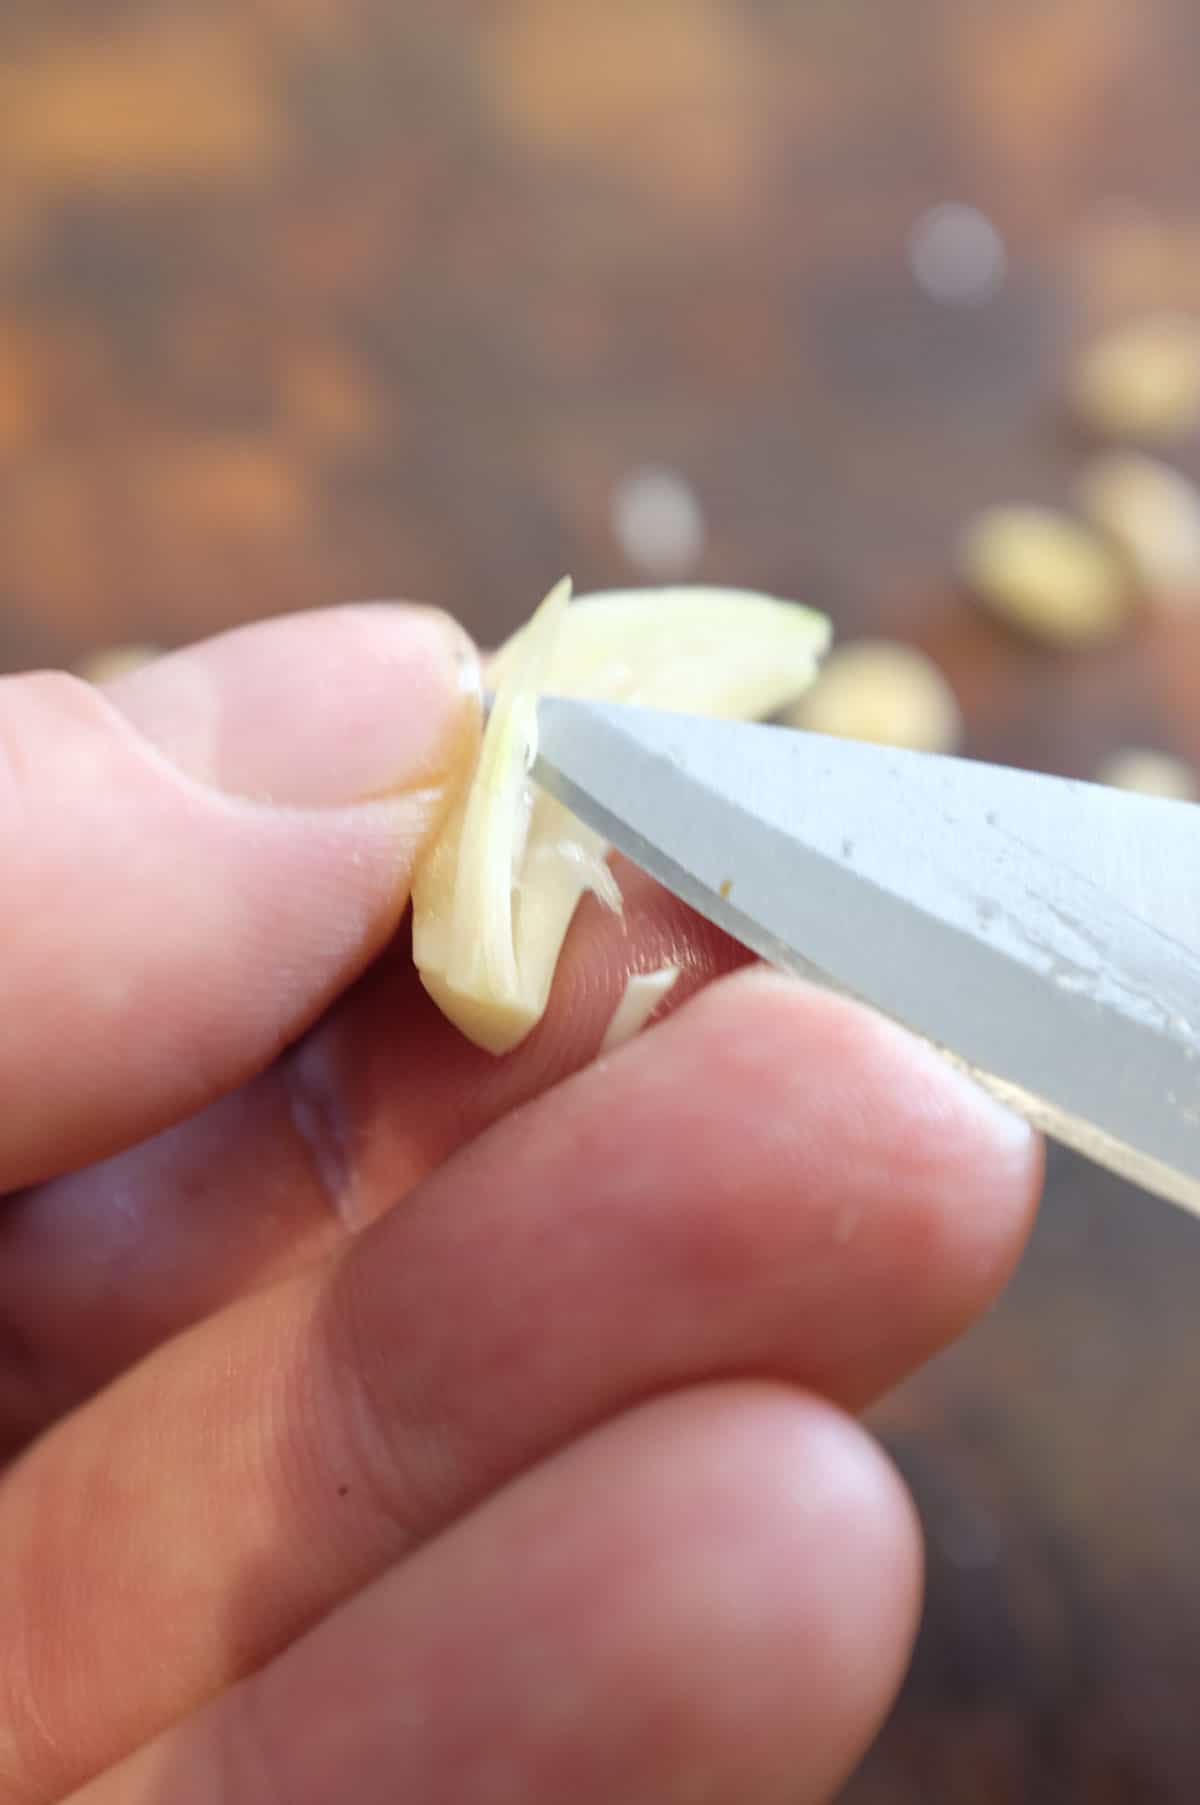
(1043,933)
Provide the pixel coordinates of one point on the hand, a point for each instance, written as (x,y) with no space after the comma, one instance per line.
(386,1421)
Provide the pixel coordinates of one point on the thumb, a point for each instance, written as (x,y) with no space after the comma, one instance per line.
(198,858)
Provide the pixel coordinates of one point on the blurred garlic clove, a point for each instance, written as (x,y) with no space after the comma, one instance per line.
(115,661)
(1046,575)
(1150,773)
(1150,514)
(1141,380)
(883,692)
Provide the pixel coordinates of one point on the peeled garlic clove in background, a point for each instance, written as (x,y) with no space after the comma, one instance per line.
(1141,380)
(115,661)
(1046,575)
(883,692)
(1150,773)
(493,898)
(1150,513)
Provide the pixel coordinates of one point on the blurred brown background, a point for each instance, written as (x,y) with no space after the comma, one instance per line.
(303,300)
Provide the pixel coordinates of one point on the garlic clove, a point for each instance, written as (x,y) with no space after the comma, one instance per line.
(1046,575)
(884,693)
(1150,773)
(1141,380)
(1150,514)
(495,895)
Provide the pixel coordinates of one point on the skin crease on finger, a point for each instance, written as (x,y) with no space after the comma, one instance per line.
(99,1267)
(708,1602)
(772,1182)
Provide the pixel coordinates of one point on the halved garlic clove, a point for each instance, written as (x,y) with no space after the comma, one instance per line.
(495,895)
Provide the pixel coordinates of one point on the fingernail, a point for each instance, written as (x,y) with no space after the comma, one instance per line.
(319,710)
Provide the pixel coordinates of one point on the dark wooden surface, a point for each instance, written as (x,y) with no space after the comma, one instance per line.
(308,299)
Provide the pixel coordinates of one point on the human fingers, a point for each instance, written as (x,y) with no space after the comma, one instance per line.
(199,858)
(773,1182)
(712,1599)
(100,1266)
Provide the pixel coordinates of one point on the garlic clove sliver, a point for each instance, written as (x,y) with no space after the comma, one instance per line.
(483,950)
(493,899)
(643,992)
(463,940)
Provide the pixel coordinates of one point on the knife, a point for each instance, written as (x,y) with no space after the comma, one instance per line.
(1042,934)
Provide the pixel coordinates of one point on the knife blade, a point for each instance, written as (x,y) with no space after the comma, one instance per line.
(1041,933)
